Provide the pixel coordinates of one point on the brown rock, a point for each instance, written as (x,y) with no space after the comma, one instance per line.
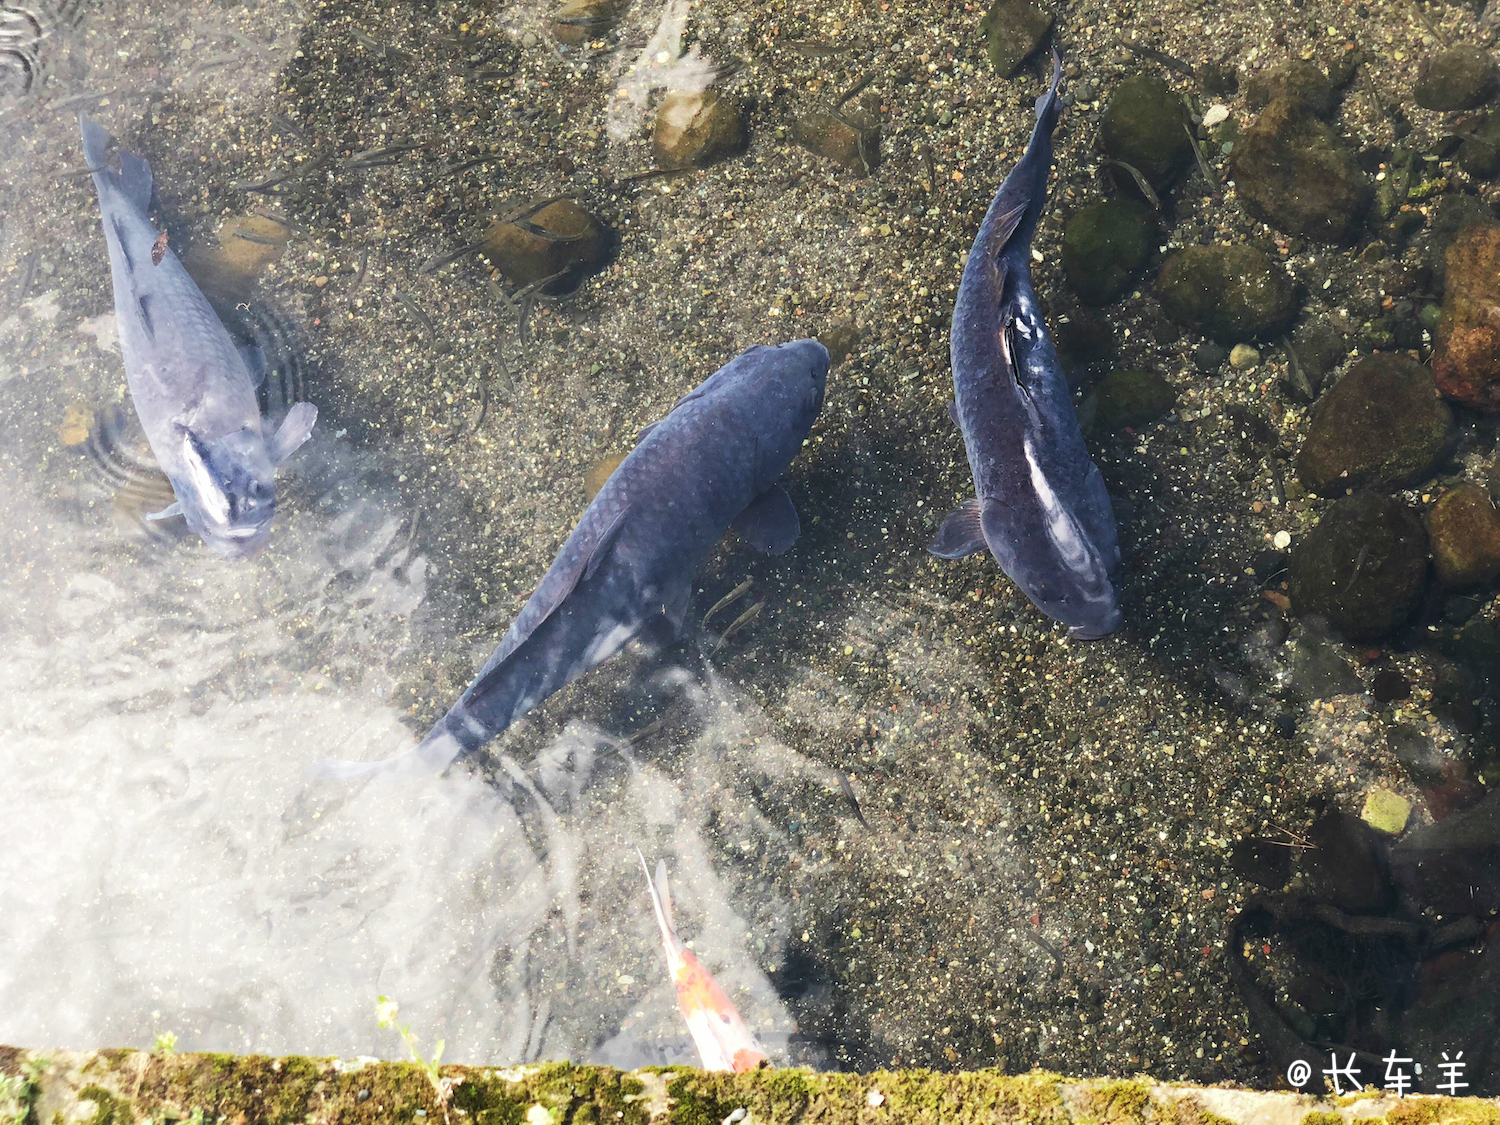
(247,245)
(1381,425)
(1465,535)
(840,139)
(1362,569)
(694,128)
(1466,358)
(559,240)
(578,21)
(1293,173)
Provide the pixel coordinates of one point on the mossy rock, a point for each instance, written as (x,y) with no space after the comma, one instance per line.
(1479,155)
(1320,348)
(1362,569)
(1381,425)
(1127,399)
(1462,77)
(1145,126)
(1231,293)
(1292,173)
(1104,246)
(1465,534)
(1013,30)
(1296,79)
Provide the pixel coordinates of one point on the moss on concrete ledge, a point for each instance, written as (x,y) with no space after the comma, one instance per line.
(137,1087)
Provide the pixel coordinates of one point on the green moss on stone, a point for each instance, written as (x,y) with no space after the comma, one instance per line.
(1322,1117)
(1465,534)
(1362,569)
(1113,1103)
(1293,173)
(1145,126)
(1013,30)
(1231,293)
(1104,246)
(1379,426)
(108,1109)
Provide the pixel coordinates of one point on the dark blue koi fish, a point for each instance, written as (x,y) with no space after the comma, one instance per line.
(711,463)
(1041,507)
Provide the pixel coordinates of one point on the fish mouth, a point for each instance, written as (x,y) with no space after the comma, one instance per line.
(1094,631)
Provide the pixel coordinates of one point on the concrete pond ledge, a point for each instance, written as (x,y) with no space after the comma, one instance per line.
(121,1087)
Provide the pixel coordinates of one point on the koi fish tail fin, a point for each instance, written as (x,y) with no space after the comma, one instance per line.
(661,899)
(134,178)
(1048,106)
(432,755)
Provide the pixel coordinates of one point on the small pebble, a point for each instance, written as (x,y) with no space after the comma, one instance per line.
(1282,540)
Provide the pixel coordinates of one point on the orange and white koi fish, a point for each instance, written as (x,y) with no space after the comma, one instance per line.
(722,1039)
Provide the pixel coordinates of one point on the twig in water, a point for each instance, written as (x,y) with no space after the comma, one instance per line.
(852,90)
(438,261)
(21,290)
(1213,185)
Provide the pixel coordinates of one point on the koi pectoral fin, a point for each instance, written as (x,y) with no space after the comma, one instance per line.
(961,534)
(953,415)
(295,429)
(769,523)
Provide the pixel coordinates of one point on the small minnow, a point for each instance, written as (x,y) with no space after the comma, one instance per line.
(723,1040)
(711,463)
(193,390)
(1040,507)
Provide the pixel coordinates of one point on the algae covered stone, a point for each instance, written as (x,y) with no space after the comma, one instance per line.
(1013,30)
(1127,399)
(1386,811)
(1231,293)
(1296,79)
(1381,425)
(1462,77)
(1145,126)
(1292,173)
(1465,534)
(1362,568)
(1466,358)
(695,128)
(1104,246)
(1479,155)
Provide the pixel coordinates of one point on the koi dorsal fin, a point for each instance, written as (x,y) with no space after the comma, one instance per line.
(1005,226)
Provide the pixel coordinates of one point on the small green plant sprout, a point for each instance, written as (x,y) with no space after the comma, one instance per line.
(165,1043)
(386,1010)
(18,1092)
